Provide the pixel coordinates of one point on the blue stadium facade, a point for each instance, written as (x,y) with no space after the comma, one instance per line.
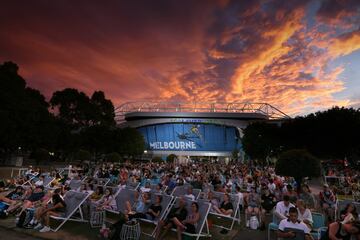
(204,129)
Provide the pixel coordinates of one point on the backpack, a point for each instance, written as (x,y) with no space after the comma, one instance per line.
(25,218)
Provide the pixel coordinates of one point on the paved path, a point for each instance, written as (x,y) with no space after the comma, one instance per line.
(13,235)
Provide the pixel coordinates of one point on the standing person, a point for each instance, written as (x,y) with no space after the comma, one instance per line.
(288,226)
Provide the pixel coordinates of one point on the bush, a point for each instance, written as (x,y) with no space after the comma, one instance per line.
(297,163)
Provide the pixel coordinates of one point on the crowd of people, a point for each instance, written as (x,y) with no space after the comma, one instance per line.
(261,192)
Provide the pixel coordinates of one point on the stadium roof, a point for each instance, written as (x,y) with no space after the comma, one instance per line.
(183,109)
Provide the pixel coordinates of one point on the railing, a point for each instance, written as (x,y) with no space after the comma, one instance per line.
(157,106)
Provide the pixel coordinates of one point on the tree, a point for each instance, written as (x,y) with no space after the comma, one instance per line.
(24,117)
(297,163)
(260,139)
(72,107)
(104,113)
(128,141)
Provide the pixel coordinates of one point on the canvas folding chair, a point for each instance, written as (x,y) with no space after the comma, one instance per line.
(166,203)
(102,181)
(318,225)
(75,184)
(234,217)
(132,185)
(123,195)
(47,181)
(204,209)
(73,201)
(153,188)
(180,191)
(273,225)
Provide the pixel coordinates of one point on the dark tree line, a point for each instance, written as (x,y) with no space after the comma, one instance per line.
(70,121)
(330,134)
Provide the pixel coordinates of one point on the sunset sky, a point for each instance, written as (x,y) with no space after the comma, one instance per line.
(300,56)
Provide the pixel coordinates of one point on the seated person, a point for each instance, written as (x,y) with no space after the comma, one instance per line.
(226,207)
(107,201)
(254,201)
(40,181)
(282,208)
(189,194)
(146,188)
(16,194)
(308,197)
(241,197)
(152,213)
(142,201)
(96,196)
(56,207)
(348,214)
(190,223)
(213,201)
(35,198)
(328,201)
(337,230)
(292,223)
(268,200)
(304,213)
(158,188)
(174,219)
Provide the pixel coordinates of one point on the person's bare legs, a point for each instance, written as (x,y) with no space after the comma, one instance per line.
(167,228)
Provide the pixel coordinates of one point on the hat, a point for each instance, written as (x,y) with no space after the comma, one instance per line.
(326,185)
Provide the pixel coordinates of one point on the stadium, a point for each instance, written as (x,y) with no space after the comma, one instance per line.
(194,129)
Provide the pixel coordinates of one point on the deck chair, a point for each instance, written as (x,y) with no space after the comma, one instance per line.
(132,185)
(166,203)
(73,201)
(204,209)
(102,181)
(273,225)
(153,188)
(123,195)
(75,184)
(182,191)
(318,225)
(47,181)
(235,216)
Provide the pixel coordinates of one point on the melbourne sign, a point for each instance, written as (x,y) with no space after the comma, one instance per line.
(172,145)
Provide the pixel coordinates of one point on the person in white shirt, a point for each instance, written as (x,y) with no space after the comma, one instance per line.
(271,186)
(189,194)
(40,182)
(292,222)
(241,197)
(282,208)
(304,213)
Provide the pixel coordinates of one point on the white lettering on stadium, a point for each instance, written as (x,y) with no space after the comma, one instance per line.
(172,145)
